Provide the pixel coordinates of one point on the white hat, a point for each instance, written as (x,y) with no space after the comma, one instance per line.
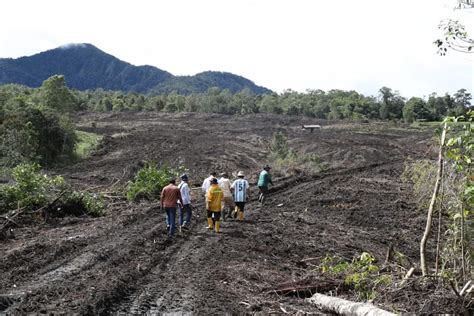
(240,174)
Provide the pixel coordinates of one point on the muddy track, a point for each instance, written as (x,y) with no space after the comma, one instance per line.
(123,263)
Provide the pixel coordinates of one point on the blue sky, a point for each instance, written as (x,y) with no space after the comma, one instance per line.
(279,44)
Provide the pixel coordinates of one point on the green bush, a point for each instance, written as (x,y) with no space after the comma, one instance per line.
(287,161)
(86,143)
(149,181)
(80,203)
(279,146)
(361,274)
(31,188)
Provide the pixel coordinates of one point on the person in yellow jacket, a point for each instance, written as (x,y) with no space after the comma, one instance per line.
(214,206)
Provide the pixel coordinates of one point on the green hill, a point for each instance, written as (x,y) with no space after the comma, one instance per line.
(87,67)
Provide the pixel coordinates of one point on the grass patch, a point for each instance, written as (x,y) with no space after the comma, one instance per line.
(86,143)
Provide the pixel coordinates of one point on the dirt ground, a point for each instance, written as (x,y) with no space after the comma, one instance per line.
(123,263)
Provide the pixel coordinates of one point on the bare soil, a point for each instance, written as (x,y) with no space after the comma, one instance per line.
(123,262)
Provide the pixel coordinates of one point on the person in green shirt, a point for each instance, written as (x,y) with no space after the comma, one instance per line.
(264,179)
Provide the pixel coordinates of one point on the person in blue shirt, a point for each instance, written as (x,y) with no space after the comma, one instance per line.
(264,179)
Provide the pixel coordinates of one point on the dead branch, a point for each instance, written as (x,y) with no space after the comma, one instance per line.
(388,255)
(310,259)
(9,219)
(407,276)
(107,196)
(439,174)
(451,283)
(466,288)
(50,204)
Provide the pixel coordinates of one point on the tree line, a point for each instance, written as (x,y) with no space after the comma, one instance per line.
(332,104)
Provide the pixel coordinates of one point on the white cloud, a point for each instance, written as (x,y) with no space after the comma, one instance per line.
(297,44)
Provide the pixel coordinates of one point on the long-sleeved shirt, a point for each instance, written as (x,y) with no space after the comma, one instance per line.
(206,184)
(185,192)
(224,184)
(170,196)
(264,179)
(214,198)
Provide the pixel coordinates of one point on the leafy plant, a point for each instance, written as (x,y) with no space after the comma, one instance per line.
(460,152)
(86,143)
(80,203)
(361,273)
(286,160)
(279,146)
(31,187)
(149,181)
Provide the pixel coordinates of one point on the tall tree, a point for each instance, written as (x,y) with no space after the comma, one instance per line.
(56,95)
(391,104)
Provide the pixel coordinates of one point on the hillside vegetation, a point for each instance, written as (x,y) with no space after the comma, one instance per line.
(87,67)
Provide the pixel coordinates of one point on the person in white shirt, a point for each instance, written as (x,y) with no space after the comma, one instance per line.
(206,184)
(227,201)
(185,208)
(240,189)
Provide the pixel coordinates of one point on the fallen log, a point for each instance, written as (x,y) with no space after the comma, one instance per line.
(343,307)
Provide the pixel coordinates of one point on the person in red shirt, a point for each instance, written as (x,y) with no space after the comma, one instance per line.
(170,195)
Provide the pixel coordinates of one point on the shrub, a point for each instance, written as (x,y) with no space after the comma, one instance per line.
(86,143)
(80,203)
(279,146)
(286,160)
(149,181)
(31,187)
(361,273)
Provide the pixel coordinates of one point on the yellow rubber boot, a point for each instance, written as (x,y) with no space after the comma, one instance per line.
(210,223)
(218,226)
(241,215)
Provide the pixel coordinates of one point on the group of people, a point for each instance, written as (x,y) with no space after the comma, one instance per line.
(223,198)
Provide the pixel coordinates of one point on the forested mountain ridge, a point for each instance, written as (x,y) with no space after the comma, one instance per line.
(87,67)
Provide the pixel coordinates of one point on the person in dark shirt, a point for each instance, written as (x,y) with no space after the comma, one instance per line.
(170,195)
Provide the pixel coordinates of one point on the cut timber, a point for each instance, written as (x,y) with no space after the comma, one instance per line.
(344,307)
(310,127)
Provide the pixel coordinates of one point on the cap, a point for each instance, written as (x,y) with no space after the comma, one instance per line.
(184,176)
(267,167)
(240,174)
(224,175)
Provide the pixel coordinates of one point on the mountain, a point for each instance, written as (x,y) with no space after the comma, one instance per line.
(87,67)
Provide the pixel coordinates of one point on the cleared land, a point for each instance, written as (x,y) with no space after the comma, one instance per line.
(122,262)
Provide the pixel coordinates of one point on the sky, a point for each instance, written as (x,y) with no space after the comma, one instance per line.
(279,44)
